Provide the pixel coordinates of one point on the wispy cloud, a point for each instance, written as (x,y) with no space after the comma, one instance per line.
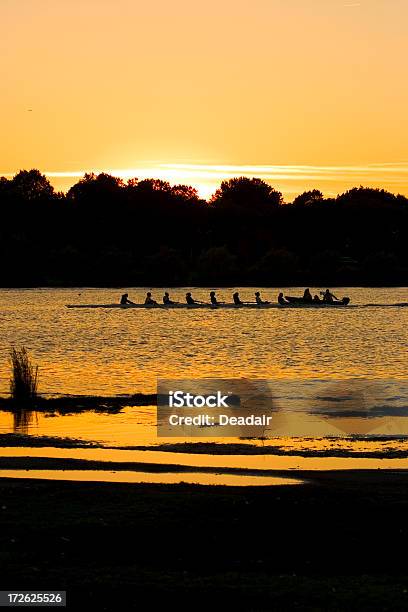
(291,179)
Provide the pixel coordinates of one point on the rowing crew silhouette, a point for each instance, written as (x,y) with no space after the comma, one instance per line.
(327,298)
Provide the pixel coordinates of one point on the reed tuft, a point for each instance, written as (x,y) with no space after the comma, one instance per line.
(24,376)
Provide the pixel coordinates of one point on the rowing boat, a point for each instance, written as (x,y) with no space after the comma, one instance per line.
(206,306)
(300,300)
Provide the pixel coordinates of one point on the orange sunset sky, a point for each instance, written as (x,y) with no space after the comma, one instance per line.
(302,93)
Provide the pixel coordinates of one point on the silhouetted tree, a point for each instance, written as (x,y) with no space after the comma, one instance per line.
(381,266)
(248,194)
(366,197)
(217,265)
(31,185)
(308,197)
(94,188)
(185,192)
(146,232)
(166,268)
(275,267)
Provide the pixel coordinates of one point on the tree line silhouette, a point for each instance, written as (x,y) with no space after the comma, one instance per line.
(105,232)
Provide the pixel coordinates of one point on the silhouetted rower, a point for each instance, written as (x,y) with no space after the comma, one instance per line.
(213,299)
(166,299)
(259,300)
(124,299)
(281,300)
(236,299)
(190,300)
(149,301)
(328,297)
(307,296)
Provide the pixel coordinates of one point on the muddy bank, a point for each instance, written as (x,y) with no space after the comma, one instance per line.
(70,404)
(23,440)
(316,476)
(51,463)
(214,448)
(217,448)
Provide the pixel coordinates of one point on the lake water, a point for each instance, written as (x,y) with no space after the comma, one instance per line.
(109,352)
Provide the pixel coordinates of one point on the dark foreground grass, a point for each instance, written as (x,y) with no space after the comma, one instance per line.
(24,377)
(332,545)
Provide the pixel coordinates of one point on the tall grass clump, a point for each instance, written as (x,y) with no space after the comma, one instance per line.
(24,376)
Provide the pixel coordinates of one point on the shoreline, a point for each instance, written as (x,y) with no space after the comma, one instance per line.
(308,282)
(251,448)
(352,475)
(69,404)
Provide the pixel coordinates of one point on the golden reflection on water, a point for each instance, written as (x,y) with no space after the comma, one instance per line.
(218,461)
(137,427)
(104,352)
(230,480)
(23,421)
(108,352)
